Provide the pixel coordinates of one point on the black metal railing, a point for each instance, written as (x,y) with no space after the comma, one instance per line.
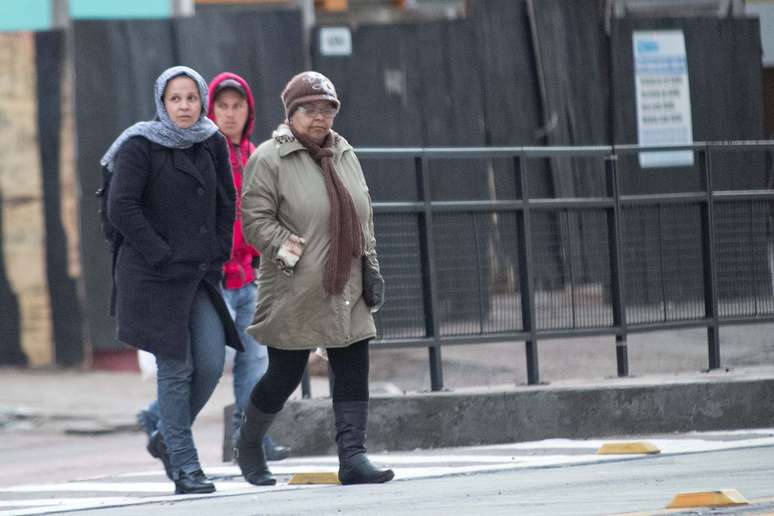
(518,266)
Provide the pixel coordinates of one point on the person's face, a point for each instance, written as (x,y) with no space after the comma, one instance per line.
(314,120)
(182,101)
(231,112)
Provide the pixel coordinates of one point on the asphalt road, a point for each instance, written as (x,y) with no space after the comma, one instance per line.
(597,489)
(552,477)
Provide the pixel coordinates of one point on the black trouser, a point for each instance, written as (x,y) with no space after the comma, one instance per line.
(350,376)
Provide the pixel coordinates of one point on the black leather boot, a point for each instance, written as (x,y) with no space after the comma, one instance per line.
(193,483)
(354,466)
(158,449)
(249,449)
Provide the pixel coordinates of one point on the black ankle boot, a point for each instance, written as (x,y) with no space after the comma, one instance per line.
(193,483)
(158,449)
(354,466)
(249,449)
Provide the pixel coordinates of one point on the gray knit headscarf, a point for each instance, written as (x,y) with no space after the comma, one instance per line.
(162,129)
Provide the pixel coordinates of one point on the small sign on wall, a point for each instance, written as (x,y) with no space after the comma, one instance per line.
(663,96)
(335,41)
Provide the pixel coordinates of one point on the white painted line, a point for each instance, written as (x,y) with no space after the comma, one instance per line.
(671,446)
(69,504)
(61,505)
(754,431)
(116,487)
(408,473)
(545,444)
(47,502)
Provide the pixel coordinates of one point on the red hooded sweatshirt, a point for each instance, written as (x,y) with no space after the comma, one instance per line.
(238,270)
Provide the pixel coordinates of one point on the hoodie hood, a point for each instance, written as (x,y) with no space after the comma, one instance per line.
(248,131)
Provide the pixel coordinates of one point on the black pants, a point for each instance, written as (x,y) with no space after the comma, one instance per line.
(286,368)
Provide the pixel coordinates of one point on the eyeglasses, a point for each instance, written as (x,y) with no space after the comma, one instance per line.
(312,111)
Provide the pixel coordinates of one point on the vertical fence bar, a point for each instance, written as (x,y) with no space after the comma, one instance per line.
(614,241)
(306,385)
(525,275)
(661,261)
(427,252)
(708,260)
(479,267)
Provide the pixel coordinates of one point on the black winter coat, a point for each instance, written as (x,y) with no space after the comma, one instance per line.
(175,209)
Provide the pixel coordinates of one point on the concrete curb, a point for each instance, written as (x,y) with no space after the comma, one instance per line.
(449,419)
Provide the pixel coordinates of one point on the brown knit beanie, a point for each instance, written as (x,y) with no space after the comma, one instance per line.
(308,87)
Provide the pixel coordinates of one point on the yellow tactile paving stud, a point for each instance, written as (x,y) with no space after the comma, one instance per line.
(628,447)
(721,498)
(318,477)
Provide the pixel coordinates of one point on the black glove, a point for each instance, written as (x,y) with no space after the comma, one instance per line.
(373,283)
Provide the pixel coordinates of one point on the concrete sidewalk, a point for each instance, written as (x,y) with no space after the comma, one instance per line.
(100,402)
(93,401)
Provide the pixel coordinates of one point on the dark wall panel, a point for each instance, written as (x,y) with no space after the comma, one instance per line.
(116,64)
(11,352)
(62,290)
(417,85)
(379,86)
(265,48)
(724,69)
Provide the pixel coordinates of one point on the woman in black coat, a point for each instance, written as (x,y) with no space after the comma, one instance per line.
(172,198)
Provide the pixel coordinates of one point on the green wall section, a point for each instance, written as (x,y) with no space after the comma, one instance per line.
(18,15)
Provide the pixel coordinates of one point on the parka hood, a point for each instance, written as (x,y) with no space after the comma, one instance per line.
(250,102)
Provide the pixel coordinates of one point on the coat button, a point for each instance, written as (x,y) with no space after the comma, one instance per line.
(203,266)
(346,302)
(203,230)
(200,191)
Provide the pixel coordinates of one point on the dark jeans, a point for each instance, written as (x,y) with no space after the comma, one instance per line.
(350,376)
(184,386)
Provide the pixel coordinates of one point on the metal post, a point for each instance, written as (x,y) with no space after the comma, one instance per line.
(708,261)
(60,14)
(331,379)
(306,385)
(525,274)
(427,255)
(616,265)
(181,8)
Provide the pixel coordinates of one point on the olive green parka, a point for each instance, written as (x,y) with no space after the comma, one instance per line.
(284,193)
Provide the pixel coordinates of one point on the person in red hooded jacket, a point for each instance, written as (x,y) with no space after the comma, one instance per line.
(232,108)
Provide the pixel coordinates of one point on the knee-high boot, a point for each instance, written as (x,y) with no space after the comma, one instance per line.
(354,466)
(249,449)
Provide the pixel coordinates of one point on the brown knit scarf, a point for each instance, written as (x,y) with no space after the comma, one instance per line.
(345,231)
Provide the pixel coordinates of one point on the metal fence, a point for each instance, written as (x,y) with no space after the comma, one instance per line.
(522,267)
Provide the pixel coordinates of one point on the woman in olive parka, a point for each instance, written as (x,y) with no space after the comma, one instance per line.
(306,207)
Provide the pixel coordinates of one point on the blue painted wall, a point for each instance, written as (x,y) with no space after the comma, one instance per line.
(25,15)
(92,9)
(36,15)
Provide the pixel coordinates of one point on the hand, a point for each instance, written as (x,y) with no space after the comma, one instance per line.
(289,253)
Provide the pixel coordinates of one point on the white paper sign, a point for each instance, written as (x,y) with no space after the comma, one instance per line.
(335,41)
(663,96)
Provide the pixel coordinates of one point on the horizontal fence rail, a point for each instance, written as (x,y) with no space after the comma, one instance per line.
(508,264)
